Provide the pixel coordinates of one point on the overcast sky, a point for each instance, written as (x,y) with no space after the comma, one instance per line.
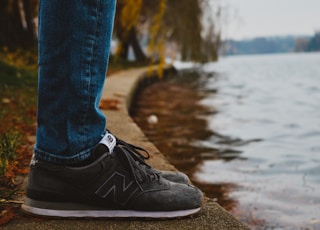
(271,17)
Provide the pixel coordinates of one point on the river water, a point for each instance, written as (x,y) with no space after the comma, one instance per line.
(246,130)
(269,108)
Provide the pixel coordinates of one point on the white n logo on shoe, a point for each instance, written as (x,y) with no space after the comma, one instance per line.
(118,188)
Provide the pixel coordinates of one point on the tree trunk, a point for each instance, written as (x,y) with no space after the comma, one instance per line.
(138,52)
(30,30)
(124,50)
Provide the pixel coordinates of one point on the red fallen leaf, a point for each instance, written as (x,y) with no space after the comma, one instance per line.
(109,104)
(6,215)
(22,171)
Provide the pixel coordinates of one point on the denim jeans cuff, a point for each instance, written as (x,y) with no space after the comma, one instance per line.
(62,160)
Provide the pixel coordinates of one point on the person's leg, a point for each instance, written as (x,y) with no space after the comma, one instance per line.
(74,46)
(74,42)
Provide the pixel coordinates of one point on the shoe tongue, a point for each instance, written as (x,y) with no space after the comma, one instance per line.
(109,141)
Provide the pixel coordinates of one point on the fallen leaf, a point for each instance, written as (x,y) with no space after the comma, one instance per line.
(109,104)
(6,215)
(6,100)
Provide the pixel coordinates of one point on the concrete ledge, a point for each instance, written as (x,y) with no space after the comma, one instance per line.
(121,88)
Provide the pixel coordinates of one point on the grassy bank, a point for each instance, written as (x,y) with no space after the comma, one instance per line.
(18,96)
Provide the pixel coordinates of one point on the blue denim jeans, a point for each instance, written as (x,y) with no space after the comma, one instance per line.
(74,46)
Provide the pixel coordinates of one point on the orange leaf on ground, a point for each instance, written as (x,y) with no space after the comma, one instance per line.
(6,215)
(109,104)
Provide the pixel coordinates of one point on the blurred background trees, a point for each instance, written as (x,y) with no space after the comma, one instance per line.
(186,28)
(150,30)
(17,23)
(145,31)
(314,43)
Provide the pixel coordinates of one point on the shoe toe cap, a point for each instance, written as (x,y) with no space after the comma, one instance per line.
(175,176)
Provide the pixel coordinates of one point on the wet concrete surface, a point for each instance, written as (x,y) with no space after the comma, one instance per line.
(180,123)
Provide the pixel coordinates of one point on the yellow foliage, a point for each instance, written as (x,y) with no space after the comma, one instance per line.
(129,16)
(130,13)
(157,40)
(20,58)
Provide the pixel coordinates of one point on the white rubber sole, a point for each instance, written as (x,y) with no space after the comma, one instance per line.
(107,213)
(56,209)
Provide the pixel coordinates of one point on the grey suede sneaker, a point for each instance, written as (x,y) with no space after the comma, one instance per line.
(115,185)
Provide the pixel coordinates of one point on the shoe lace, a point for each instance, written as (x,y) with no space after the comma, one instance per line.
(134,150)
(143,171)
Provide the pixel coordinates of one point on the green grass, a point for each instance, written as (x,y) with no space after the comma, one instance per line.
(18,96)
(12,76)
(9,143)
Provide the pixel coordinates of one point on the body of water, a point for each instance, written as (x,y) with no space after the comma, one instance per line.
(269,108)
